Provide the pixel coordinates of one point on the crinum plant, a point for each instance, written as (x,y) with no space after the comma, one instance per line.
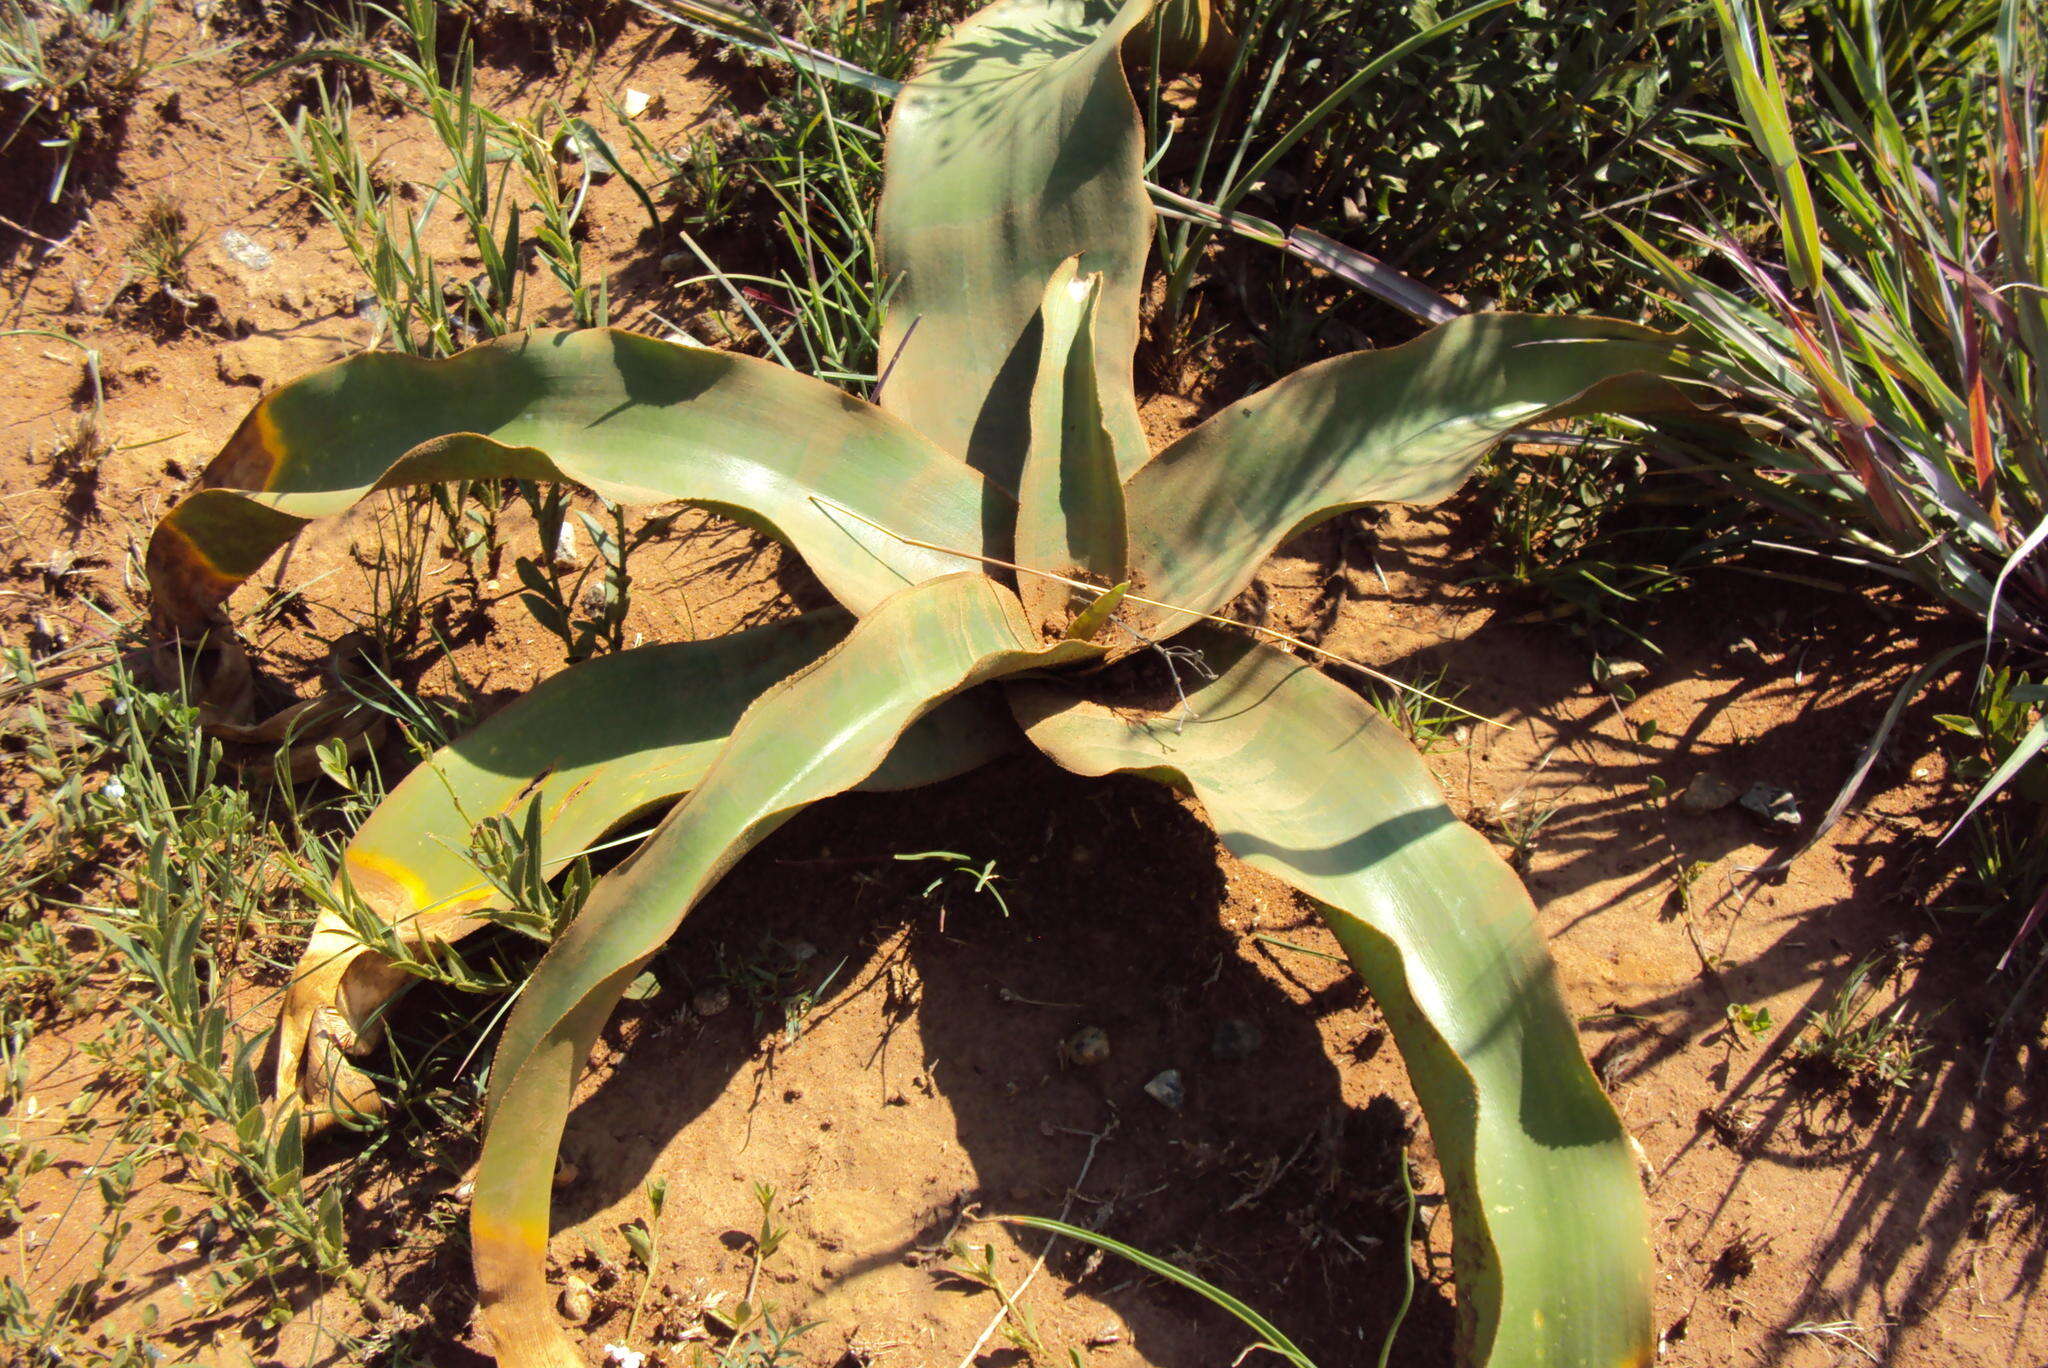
(1009,559)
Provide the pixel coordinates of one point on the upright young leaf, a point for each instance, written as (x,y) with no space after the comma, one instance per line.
(815,734)
(1403,424)
(1070,502)
(1016,147)
(1302,779)
(637,420)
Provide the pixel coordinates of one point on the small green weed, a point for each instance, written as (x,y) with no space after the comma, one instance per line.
(1517,826)
(1849,1043)
(1426,714)
(162,243)
(1755,1022)
(586,614)
(983,879)
(644,1239)
(1685,880)
(975,1264)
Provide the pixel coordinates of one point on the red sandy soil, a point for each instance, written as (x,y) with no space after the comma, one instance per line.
(927,1088)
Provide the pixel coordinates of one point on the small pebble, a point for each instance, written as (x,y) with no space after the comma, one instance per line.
(245,249)
(1773,806)
(1626,669)
(563,555)
(1087,1047)
(1167,1091)
(800,951)
(566,1172)
(711,1000)
(1236,1039)
(1706,793)
(576,1301)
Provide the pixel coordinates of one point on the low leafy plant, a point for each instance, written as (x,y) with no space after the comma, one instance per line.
(1898,350)
(1015,565)
(69,71)
(1895,362)
(1850,1041)
(162,243)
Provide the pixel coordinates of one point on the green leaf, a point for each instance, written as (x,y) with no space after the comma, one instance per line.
(818,733)
(2022,754)
(1403,424)
(582,753)
(585,751)
(1754,70)
(1303,780)
(1090,620)
(636,420)
(1268,1334)
(1016,147)
(1184,33)
(1070,504)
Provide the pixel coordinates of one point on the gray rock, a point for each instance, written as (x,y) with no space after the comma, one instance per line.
(709,1001)
(1236,1039)
(1707,793)
(1773,806)
(1167,1090)
(245,249)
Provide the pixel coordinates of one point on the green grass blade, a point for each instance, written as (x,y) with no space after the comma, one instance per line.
(633,419)
(1334,101)
(816,734)
(1761,94)
(1303,780)
(1151,1263)
(1405,423)
(1016,147)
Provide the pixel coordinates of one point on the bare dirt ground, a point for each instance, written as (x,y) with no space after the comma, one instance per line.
(1797,1221)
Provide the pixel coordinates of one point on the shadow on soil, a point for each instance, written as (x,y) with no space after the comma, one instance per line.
(1267,1181)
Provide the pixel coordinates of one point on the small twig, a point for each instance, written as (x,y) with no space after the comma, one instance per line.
(1007,996)
(1173,656)
(52,243)
(1095,1139)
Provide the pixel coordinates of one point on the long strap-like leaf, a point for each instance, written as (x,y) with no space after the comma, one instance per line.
(816,734)
(1403,424)
(1016,147)
(582,753)
(1302,779)
(590,747)
(637,420)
